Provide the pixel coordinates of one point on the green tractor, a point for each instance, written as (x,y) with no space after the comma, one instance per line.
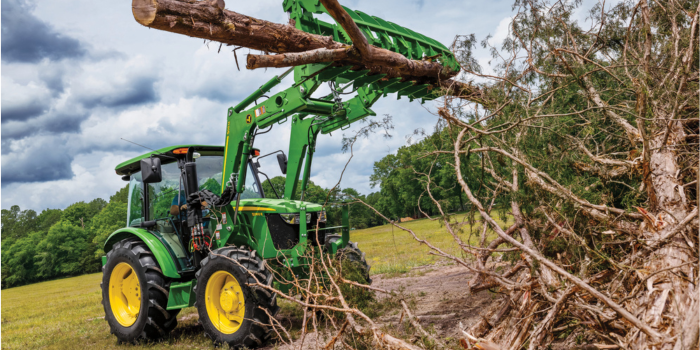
(157,266)
(201,232)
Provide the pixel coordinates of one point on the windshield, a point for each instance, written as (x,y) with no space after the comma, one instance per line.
(170,191)
(163,194)
(252,186)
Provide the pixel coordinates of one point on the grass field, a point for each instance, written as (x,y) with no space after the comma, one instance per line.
(67,313)
(391,250)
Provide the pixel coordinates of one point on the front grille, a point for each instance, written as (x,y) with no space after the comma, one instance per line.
(286,236)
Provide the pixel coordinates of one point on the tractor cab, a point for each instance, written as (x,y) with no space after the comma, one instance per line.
(161,207)
(167,198)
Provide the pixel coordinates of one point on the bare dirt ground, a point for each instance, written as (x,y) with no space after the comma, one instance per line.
(441,298)
(438,296)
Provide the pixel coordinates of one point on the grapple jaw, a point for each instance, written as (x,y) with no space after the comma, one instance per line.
(380,33)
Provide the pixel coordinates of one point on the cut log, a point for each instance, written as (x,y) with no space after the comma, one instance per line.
(296,58)
(210,21)
(200,19)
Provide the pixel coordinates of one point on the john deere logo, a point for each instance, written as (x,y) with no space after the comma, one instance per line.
(248,118)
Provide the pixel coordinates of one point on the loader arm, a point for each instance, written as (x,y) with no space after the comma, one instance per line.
(313,115)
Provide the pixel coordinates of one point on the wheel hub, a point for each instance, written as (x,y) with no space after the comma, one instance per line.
(229,300)
(225,302)
(124,294)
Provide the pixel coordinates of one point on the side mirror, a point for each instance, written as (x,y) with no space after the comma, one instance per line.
(282,159)
(150,170)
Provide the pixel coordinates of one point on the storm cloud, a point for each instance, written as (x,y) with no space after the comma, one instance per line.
(40,160)
(122,93)
(25,38)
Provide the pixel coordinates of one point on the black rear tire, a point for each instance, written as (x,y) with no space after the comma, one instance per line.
(253,331)
(153,322)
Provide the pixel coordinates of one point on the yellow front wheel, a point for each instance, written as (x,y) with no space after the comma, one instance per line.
(225,302)
(232,310)
(125,294)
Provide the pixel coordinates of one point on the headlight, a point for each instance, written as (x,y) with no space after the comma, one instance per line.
(294,219)
(322,217)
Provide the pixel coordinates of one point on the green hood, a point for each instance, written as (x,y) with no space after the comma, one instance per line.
(271,205)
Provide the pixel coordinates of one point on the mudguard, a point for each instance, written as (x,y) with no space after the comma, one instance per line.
(160,251)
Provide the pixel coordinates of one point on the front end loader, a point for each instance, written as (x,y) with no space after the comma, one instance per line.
(201,231)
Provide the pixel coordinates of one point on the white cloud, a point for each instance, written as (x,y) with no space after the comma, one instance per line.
(502,31)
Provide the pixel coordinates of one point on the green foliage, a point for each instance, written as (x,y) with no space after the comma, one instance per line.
(18,223)
(110,219)
(404,177)
(60,252)
(57,243)
(48,218)
(357,297)
(122,196)
(278,183)
(80,213)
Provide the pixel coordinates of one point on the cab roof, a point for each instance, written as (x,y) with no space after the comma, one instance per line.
(166,156)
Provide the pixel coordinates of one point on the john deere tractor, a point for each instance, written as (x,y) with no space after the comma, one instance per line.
(201,232)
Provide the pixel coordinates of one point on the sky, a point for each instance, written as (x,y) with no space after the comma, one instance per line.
(77,79)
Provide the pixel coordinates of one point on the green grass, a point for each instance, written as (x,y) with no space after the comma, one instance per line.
(393,251)
(67,314)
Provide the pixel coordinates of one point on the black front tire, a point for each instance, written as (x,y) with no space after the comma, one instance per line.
(352,254)
(153,322)
(243,265)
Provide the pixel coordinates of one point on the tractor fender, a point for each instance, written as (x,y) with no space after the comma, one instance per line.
(154,244)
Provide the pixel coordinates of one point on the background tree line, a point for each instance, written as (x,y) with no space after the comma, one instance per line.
(58,243)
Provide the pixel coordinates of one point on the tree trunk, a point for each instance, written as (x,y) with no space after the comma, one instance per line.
(669,299)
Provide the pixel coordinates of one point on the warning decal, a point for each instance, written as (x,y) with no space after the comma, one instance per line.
(260,111)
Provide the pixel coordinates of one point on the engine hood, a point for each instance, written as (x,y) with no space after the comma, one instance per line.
(271,205)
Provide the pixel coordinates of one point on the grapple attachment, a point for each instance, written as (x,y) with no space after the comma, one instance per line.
(378,32)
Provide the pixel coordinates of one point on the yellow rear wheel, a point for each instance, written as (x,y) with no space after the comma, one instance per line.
(225,302)
(125,294)
(135,293)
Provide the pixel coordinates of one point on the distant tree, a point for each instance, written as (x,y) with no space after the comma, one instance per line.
(18,259)
(80,213)
(18,223)
(60,253)
(48,218)
(110,219)
(122,195)
(277,182)
(95,206)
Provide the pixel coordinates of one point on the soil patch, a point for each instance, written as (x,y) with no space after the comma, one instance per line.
(441,300)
